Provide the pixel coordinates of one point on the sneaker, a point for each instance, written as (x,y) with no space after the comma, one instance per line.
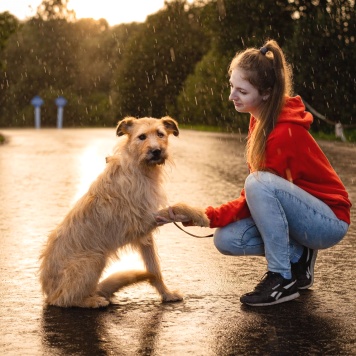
(272,289)
(303,270)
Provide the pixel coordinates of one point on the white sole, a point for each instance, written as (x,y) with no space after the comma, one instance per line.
(278,301)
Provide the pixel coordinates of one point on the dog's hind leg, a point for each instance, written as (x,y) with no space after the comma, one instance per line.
(77,284)
(150,259)
(118,280)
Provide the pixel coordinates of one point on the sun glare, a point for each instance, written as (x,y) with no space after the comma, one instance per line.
(91,163)
(115,12)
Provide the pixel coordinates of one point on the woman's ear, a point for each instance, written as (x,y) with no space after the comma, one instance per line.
(266,94)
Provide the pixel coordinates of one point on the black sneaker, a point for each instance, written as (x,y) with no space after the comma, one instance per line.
(303,270)
(272,289)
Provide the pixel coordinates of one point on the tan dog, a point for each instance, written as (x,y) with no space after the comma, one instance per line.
(117,211)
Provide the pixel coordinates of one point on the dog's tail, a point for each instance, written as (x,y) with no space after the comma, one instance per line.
(119,280)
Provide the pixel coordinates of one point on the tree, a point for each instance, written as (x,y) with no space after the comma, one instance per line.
(235,25)
(232,26)
(9,24)
(157,61)
(204,98)
(54,10)
(38,60)
(58,58)
(322,51)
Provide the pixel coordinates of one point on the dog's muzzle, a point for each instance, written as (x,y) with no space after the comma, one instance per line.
(156,156)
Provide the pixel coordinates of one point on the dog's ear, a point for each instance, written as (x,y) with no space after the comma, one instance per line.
(124,126)
(171,125)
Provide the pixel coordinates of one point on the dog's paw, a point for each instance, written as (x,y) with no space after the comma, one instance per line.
(172,296)
(95,302)
(167,215)
(192,215)
(182,213)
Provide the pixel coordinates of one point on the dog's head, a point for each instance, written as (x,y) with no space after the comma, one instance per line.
(147,138)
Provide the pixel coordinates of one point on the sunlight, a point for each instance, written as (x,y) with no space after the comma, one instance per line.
(90,166)
(128,261)
(116,12)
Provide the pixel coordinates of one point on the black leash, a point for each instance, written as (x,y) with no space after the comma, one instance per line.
(197,236)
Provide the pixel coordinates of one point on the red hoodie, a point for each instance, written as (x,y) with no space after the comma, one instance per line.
(293,154)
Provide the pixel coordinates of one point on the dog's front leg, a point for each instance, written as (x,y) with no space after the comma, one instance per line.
(150,258)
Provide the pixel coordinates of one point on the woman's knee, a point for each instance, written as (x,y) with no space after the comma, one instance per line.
(240,238)
(258,179)
(252,184)
(222,241)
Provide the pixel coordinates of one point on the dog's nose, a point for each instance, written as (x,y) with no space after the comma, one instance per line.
(156,153)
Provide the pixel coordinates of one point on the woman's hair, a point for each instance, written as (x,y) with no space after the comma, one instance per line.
(268,71)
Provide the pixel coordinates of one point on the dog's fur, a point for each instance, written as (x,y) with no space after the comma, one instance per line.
(117,211)
(184,213)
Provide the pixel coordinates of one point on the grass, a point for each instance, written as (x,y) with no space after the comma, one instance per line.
(205,128)
(2,139)
(208,128)
(350,134)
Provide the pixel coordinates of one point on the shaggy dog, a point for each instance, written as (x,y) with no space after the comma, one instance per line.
(116,212)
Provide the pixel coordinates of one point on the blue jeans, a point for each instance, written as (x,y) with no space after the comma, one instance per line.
(284,219)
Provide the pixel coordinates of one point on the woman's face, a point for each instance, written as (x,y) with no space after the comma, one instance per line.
(244,95)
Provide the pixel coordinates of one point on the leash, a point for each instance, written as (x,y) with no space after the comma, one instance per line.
(197,236)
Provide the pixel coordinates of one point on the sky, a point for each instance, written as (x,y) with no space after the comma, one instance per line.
(114,11)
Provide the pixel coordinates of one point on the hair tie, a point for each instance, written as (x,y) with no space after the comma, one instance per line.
(264,50)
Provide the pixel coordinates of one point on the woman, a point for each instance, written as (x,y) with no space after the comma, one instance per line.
(293,202)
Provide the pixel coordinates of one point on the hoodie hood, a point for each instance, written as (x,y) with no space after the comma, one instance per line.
(294,112)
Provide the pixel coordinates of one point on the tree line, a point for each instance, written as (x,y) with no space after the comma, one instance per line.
(175,63)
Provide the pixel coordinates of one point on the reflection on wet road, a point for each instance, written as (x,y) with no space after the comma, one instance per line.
(43,172)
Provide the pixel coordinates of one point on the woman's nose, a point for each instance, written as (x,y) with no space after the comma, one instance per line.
(232,95)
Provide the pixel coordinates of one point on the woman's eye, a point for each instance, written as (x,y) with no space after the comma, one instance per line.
(142,137)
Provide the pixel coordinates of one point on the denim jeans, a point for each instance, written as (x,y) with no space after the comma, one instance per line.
(284,219)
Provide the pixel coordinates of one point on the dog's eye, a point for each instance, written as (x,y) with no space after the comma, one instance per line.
(160,134)
(142,137)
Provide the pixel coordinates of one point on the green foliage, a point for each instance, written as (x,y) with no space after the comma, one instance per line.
(8,25)
(204,98)
(235,25)
(323,54)
(350,135)
(157,61)
(56,58)
(54,10)
(175,63)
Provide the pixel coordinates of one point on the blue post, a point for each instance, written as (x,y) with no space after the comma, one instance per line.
(60,102)
(37,102)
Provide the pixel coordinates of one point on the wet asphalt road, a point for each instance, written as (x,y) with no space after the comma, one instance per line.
(43,172)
